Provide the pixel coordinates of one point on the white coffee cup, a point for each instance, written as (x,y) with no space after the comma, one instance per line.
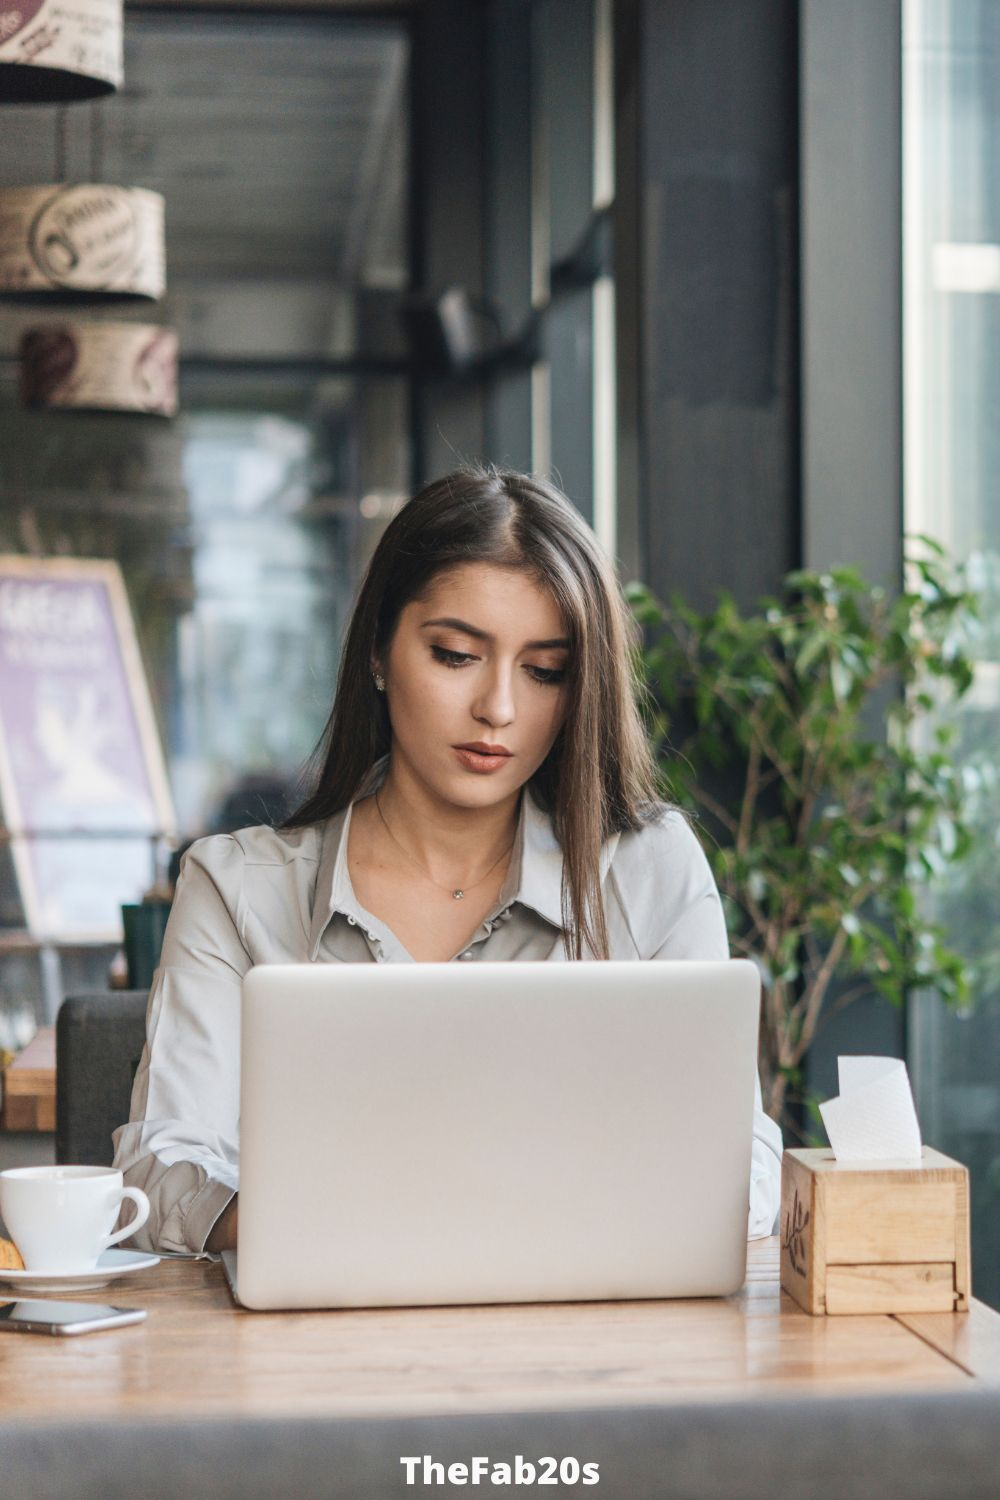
(61,1218)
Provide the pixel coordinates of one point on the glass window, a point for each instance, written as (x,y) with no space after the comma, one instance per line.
(281,146)
(572,275)
(952,452)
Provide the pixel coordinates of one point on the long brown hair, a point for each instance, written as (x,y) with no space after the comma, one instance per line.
(598,778)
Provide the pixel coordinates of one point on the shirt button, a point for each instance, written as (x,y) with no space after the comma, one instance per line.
(371,937)
(466,954)
(352,921)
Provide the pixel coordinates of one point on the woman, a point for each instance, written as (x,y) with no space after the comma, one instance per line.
(486,792)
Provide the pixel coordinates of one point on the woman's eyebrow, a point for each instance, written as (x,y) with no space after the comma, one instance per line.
(484,635)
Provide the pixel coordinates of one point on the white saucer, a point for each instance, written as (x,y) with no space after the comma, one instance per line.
(111,1265)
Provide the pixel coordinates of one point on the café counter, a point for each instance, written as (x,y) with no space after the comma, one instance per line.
(740,1396)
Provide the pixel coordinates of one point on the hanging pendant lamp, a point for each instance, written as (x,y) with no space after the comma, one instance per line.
(85,240)
(59,51)
(100,366)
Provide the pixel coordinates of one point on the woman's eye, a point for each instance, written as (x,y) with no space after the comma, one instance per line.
(450,658)
(548,674)
(545,675)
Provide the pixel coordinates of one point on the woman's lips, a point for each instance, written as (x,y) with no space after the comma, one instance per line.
(474,760)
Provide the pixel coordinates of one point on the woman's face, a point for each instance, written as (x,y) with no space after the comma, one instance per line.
(480,660)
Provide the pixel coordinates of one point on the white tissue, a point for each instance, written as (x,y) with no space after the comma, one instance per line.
(873,1118)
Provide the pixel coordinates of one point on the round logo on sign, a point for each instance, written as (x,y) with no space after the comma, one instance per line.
(15,15)
(85,237)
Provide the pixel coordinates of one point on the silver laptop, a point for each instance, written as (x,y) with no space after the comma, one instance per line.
(416,1134)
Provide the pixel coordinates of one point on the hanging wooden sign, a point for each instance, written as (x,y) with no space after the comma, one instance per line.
(100,366)
(57,51)
(83,239)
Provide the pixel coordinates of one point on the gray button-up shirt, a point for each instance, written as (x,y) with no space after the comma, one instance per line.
(266,896)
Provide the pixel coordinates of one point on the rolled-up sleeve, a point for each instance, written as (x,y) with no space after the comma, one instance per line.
(181,1144)
(698,930)
(765,1171)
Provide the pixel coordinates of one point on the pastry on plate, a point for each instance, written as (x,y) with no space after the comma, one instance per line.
(10,1256)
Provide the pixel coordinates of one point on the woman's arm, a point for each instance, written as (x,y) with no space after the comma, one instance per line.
(181,1145)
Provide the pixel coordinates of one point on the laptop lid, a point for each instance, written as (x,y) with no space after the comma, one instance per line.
(417,1134)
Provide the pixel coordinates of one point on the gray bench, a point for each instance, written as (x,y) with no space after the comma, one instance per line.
(922,1447)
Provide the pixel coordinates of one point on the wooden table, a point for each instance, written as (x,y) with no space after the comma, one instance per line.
(29,1086)
(198,1354)
(742,1398)
(28,1110)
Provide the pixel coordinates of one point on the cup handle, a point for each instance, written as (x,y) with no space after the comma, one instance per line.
(142,1214)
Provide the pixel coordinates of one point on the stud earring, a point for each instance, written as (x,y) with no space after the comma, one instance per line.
(379,681)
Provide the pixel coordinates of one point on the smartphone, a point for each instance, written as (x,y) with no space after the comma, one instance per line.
(65,1317)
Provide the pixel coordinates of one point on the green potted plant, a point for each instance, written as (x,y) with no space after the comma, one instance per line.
(807,739)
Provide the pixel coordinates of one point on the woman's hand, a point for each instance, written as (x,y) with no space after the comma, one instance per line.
(223,1235)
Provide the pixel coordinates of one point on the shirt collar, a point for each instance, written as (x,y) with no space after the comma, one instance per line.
(534,875)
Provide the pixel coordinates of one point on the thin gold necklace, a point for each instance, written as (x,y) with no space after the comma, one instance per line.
(456,892)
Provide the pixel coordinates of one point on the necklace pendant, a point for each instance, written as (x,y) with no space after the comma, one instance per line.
(458,895)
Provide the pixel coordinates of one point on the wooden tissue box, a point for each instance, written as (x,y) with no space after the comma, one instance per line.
(875,1237)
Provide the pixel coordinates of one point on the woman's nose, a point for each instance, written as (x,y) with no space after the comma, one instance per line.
(495,701)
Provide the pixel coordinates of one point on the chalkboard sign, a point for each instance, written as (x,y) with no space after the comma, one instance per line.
(82,779)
